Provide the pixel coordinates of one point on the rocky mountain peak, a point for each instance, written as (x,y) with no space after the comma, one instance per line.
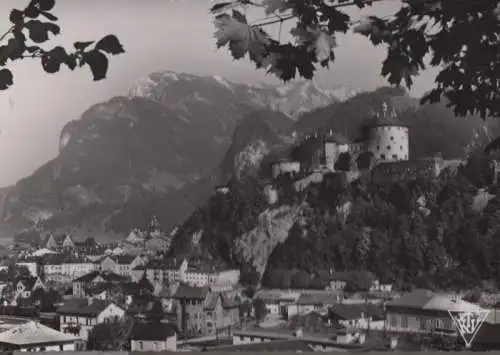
(292,99)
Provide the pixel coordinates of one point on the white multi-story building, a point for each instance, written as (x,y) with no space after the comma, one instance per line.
(59,267)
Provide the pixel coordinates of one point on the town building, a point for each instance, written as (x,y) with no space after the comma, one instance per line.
(166,270)
(93,278)
(121,264)
(423,311)
(59,242)
(200,311)
(26,286)
(78,316)
(199,275)
(32,264)
(66,266)
(33,336)
(153,337)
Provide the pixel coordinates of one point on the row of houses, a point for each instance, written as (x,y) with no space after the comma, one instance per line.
(67,267)
(198,311)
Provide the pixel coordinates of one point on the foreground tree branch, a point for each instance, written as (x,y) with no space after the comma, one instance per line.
(37,20)
(461,37)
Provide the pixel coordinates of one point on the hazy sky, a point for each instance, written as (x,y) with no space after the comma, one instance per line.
(157,35)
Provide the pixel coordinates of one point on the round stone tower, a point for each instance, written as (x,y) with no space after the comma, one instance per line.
(387,137)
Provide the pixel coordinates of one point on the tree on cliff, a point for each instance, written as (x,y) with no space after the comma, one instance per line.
(460,36)
(39,23)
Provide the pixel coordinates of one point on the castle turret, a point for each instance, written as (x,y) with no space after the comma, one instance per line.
(387,137)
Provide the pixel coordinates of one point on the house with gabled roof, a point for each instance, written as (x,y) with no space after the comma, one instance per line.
(221,313)
(78,316)
(424,311)
(124,264)
(59,242)
(107,263)
(25,286)
(200,311)
(68,242)
(135,237)
(153,337)
(94,278)
(51,243)
(315,301)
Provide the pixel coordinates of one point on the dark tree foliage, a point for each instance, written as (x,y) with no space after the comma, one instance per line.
(108,336)
(222,218)
(461,38)
(33,26)
(301,280)
(260,309)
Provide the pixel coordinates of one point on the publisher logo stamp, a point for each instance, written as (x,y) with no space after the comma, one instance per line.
(469,323)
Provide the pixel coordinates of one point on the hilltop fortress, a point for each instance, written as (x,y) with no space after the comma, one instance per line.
(382,152)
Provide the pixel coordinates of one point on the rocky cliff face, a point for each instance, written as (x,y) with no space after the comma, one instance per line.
(255,247)
(130,156)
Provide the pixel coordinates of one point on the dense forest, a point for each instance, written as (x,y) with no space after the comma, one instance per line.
(414,233)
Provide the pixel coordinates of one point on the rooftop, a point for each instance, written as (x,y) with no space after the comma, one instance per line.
(151,331)
(185,291)
(34,333)
(81,307)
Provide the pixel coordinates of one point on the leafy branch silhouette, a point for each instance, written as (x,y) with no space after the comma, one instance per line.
(39,23)
(461,38)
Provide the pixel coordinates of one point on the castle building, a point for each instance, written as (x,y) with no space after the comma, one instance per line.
(384,142)
(334,145)
(387,138)
(285,166)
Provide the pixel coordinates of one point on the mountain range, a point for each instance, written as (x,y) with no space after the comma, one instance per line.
(156,150)
(162,148)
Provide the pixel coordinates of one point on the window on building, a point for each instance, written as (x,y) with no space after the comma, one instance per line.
(400,147)
(394,156)
(141,345)
(382,156)
(378,147)
(392,138)
(388,147)
(404,322)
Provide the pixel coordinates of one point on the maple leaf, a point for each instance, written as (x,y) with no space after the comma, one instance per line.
(272,6)
(242,38)
(229,29)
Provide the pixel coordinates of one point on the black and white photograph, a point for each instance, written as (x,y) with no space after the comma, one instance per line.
(249,176)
